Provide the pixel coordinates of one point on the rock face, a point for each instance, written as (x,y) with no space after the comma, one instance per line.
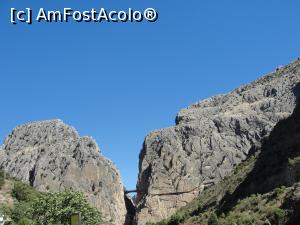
(209,139)
(50,155)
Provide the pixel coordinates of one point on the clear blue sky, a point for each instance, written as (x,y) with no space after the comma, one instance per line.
(117,82)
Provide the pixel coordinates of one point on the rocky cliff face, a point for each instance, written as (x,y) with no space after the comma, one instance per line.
(209,139)
(264,189)
(50,155)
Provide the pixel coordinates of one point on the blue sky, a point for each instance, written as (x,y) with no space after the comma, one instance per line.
(117,82)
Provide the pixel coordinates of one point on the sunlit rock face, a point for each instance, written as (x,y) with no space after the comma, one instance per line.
(50,155)
(208,140)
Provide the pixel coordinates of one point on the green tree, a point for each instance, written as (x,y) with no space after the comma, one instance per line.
(57,207)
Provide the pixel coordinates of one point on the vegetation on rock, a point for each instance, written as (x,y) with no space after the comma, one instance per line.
(53,208)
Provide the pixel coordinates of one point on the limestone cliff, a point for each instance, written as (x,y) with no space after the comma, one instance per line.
(209,139)
(50,155)
(264,189)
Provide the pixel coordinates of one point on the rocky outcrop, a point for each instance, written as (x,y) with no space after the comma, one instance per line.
(277,164)
(50,155)
(209,139)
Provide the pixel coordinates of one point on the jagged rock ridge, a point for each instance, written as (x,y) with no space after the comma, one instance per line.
(50,155)
(209,139)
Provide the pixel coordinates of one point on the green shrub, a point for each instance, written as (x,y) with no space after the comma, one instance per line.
(23,192)
(2,179)
(213,219)
(24,221)
(279,191)
(177,218)
(239,218)
(276,214)
(19,212)
(294,161)
(20,191)
(248,203)
(246,219)
(279,214)
(5,210)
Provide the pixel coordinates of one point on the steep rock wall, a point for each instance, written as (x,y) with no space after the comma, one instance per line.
(209,139)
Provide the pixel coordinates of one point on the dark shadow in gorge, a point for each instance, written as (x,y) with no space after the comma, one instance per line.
(130,208)
(272,167)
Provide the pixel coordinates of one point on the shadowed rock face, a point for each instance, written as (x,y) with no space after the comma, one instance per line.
(209,139)
(50,155)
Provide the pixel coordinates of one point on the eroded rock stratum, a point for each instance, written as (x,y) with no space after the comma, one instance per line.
(209,139)
(50,155)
